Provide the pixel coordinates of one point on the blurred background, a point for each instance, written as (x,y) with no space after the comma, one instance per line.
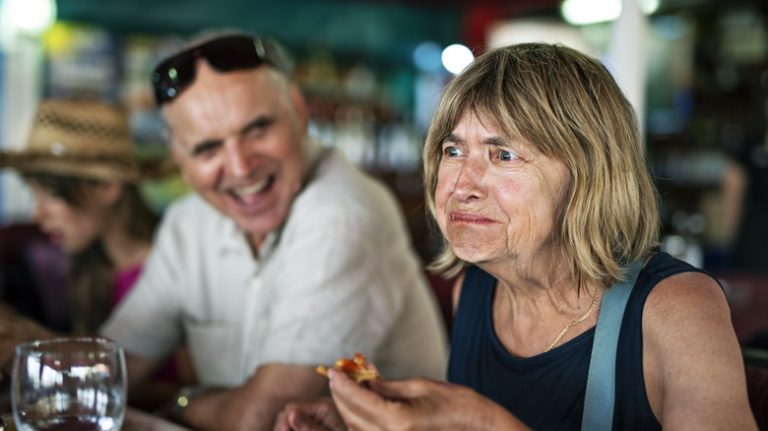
(695,70)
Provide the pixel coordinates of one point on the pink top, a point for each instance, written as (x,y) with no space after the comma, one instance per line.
(124,281)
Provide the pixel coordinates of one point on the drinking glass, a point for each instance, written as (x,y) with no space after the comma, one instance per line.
(68,384)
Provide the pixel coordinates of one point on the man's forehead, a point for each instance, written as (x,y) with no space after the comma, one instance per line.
(207,122)
(241,86)
(219,103)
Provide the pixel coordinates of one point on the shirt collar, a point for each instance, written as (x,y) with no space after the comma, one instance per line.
(235,240)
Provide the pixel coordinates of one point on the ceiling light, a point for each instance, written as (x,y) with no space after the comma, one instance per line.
(456,57)
(582,12)
(31,17)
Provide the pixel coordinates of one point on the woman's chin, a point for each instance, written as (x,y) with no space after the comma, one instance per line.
(471,255)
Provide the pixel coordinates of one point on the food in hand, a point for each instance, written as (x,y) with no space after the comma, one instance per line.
(356,368)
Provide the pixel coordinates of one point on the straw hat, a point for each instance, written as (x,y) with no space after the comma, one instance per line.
(85,139)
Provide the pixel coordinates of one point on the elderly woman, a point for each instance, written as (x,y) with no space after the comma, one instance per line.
(535,174)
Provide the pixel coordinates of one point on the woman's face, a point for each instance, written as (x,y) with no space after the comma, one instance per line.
(496,197)
(70,227)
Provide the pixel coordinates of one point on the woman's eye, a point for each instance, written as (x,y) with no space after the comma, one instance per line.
(451,152)
(507,156)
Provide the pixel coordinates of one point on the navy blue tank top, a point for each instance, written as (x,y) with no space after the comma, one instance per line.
(546,391)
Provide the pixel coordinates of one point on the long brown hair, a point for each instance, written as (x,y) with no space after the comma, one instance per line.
(91,273)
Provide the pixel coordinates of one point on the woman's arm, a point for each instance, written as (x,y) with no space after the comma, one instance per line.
(14,329)
(693,369)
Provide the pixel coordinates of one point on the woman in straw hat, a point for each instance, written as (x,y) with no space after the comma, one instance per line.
(80,165)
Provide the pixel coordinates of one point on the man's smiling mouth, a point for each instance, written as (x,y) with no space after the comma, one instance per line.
(247,194)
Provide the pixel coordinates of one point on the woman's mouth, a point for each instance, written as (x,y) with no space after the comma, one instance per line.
(462,217)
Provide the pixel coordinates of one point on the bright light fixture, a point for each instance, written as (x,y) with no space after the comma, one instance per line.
(582,12)
(30,17)
(649,6)
(456,57)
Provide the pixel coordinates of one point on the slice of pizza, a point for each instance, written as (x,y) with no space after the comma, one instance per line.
(356,368)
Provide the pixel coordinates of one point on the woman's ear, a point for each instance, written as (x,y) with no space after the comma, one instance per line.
(108,193)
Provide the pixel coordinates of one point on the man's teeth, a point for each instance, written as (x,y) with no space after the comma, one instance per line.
(252,189)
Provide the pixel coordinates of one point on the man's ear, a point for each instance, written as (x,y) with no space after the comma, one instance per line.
(300,105)
(175,152)
(174,147)
(168,138)
(178,156)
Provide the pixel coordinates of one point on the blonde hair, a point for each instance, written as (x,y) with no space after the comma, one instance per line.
(571,109)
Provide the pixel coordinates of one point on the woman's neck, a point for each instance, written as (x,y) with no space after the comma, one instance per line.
(544,273)
(124,250)
(533,303)
(538,291)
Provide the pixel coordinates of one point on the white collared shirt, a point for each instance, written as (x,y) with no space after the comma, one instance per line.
(341,277)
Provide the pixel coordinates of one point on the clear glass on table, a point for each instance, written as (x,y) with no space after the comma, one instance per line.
(69,384)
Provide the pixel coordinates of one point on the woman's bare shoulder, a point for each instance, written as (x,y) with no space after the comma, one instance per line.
(684,293)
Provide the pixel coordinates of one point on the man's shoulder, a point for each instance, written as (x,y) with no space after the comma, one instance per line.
(188,208)
(339,188)
(192,216)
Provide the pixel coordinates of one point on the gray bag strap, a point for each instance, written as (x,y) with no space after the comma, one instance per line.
(601,380)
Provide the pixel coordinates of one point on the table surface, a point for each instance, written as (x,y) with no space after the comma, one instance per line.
(135,420)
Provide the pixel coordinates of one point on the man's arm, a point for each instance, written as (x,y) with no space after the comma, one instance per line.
(139,370)
(255,404)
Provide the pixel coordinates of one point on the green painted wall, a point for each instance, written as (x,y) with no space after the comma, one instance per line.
(387,31)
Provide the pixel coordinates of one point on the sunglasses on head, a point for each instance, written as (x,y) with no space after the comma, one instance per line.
(227,53)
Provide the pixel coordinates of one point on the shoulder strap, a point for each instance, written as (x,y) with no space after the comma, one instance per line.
(601,379)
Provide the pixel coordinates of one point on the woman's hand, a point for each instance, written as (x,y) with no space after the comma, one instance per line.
(417,404)
(14,329)
(320,415)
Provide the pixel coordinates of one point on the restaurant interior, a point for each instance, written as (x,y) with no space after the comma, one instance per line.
(372,70)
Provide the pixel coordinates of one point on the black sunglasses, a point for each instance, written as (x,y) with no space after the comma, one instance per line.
(225,54)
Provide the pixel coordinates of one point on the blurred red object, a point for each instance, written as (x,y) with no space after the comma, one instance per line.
(747,295)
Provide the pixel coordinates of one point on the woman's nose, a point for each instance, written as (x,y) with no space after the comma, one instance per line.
(469,182)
